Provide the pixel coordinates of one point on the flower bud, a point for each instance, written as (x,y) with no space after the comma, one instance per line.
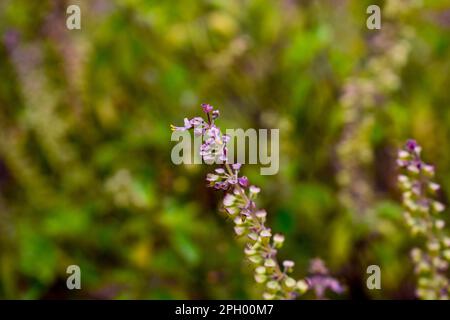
(433,187)
(253,236)
(422,267)
(254,190)
(446,242)
(207,107)
(403,155)
(249,251)
(437,206)
(260,278)
(238,221)
(231,211)
(302,286)
(236,166)
(239,230)
(433,246)
(416,255)
(229,200)
(288,265)
(428,170)
(260,270)
(261,215)
(256,259)
(256,245)
(289,283)
(243,181)
(270,264)
(404,182)
(273,286)
(268,296)
(440,224)
(413,169)
(265,236)
(278,240)
(212,177)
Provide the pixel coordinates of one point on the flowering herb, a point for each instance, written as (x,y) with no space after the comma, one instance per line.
(239,204)
(422,217)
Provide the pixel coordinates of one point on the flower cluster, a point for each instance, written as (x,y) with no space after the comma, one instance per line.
(320,280)
(261,248)
(422,217)
(214,149)
(222,180)
(239,204)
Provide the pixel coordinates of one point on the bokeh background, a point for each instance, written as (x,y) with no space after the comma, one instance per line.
(85,170)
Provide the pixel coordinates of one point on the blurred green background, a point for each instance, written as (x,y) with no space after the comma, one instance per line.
(85,170)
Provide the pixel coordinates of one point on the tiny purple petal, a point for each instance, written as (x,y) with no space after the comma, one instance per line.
(411,144)
(254,189)
(213,132)
(243,181)
(198,131)
(212,177)
(335,286)
(197,121)
(207,107)
(236,166)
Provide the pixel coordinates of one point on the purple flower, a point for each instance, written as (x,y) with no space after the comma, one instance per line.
(220,171)
(217,185)
(197,121)
(207,107)
(411,144)
(236,166)
(320,280)
(317,266)
(213,132)
(320,284)
(243,181)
